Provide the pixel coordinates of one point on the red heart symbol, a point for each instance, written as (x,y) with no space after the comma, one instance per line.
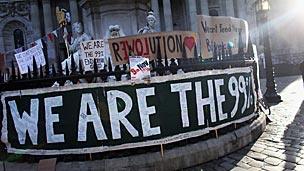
(189,42)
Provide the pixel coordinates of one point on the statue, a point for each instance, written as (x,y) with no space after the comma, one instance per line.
(114,31)
(78,36)
(150,27)
(74,48)
(62,15)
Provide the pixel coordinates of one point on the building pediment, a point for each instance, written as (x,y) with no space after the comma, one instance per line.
(14,8)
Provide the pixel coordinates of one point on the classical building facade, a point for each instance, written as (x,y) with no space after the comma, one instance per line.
(24,21)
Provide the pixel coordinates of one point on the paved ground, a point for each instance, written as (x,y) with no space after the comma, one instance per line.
(281,146)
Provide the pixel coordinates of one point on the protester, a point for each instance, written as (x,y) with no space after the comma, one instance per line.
(302,69)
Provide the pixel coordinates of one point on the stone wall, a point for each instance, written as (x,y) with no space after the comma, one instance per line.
(285,31)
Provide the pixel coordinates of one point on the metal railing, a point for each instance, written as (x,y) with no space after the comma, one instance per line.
(47,75)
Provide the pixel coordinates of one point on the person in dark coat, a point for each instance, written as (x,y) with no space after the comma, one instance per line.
(302,69)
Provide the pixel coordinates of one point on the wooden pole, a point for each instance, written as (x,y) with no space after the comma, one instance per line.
(66,40)
(161,150)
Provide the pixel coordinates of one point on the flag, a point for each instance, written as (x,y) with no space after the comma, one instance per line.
(55,33)
(50,36)
(18,50)
(39,43)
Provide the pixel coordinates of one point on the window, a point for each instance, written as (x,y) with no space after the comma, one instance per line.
(18,38)
(213,12)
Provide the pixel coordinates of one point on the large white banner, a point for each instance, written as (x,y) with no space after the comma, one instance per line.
(221,32)
(92,50)
(91,118)
(25,59)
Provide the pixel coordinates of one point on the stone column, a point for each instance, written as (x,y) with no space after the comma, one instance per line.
(222,10)
(155,8)
(167,15)
(204,7)
(1,43)
(229,8)
(74,11)
(192,14)
(241,8)
(35,20)
(48,27)
(96,19)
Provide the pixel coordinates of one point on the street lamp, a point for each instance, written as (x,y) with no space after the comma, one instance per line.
(271,94)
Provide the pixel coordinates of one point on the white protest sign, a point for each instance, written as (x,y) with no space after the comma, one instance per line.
(139,68)
(221,32)
(92,50)
(25,59)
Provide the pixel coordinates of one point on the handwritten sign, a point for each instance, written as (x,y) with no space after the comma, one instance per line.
(25,59)
(221,32)
(91,118)
(175,44)
(140,68)
(92,50)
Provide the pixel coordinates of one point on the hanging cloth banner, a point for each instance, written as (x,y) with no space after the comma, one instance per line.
(92,50)
(25,59)
(221,32)
(175,44)
(91,118)
(140,69)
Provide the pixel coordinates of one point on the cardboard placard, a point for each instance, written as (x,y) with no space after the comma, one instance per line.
(175,44)
(92,50)
(47,164)
(25,59)
(139,68)
(221,32)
